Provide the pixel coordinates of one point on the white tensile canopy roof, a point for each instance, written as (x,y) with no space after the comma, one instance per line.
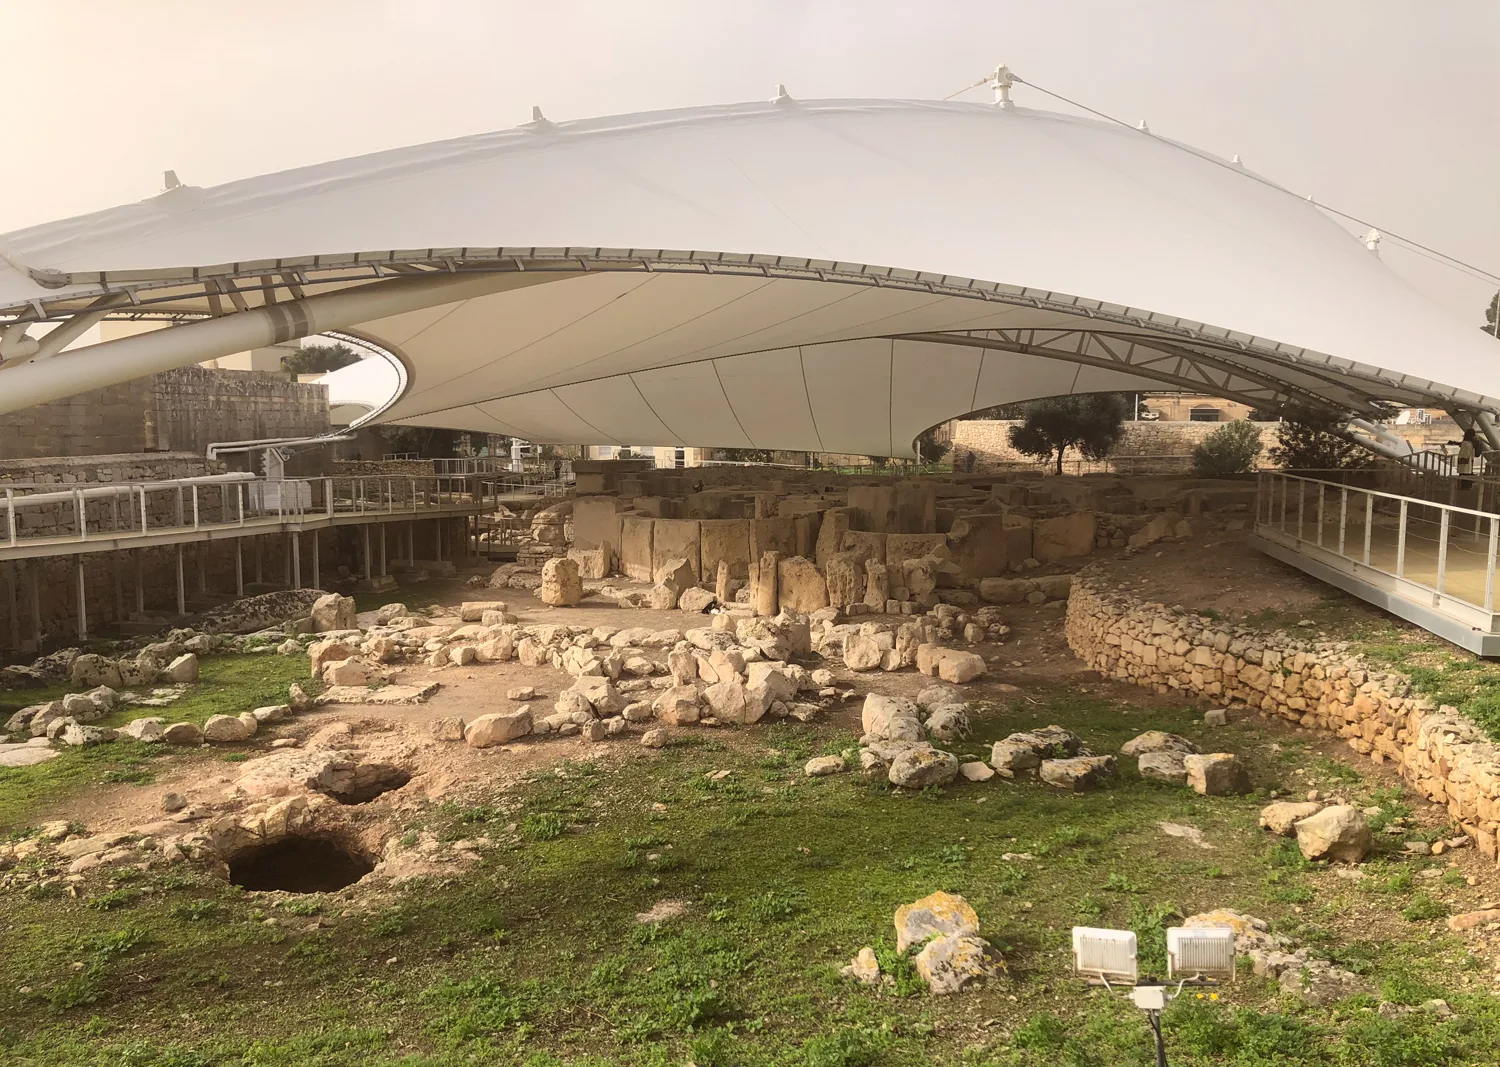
(829,275)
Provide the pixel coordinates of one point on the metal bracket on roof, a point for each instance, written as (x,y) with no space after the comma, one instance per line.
(783,98)
(1001,82)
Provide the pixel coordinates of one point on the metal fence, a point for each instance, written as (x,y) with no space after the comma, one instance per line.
(1446,549)
(219,501)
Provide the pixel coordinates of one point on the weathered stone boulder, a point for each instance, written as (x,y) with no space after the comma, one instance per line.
(80,736)
(183,733)
(90,670)
(695,599)
(1338,832)
(948,722)
(678,706)
(321,653)
(951,964)
(1216,774)
(333,612)
(1063,536)
(1079,772)
(862,652)
(1163,767)
(877,585)
(147,730)
(800,587)
(918,768)
(227,729)
(949,664)
(845,580)
(890,719)
(600,692)
(935,915)
(593,563)
(473,610)
(676,575)
(733,701)
(821,766)
(561,587)
(351,671)
(1282,817)
(1156,741)
(497,728)
(183,669)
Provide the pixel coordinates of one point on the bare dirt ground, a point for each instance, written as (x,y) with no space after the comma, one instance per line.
(1217,572)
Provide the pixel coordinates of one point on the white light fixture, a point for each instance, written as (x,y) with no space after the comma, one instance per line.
(1108,955)
(1200,952)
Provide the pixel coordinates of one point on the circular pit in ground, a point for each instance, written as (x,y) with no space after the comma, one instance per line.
(299,864)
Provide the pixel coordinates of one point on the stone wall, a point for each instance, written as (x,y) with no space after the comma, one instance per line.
(989,440)
(1320,686)
(183,410)
(382,468)
(129,467)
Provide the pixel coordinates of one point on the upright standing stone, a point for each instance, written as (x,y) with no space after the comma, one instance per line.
(721,583)
(763,591)
(877,585)
(561,584)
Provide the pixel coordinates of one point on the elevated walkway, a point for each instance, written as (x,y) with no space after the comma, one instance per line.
(1428,561)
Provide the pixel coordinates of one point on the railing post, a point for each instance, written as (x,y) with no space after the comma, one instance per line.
(328,496)
(239,498)
(1284,481)
(81,511)
(1401,543)
(1442,560)
(1369,522)
(10,523)
(1489,566)
(195,505)
(1301,505)
(1343,515)
(1320,514)
(143,509)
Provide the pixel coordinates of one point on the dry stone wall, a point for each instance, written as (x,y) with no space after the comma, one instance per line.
(1321,686)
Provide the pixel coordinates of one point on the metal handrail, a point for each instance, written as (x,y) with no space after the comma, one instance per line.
(218,502)
(1271,513)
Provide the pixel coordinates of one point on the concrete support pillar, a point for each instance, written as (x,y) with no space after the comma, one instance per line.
(36,602)
(365,532)
(437,540)
(239,566)
(140,581)
(411,542)
(119,593)
(286,560)
(382,550)
(12,593)
(83,609)
(181,585)
(202,556)
(316,577)
(260,575)
(296,561)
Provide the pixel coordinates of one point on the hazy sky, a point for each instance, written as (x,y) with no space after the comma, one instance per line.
(1388,110)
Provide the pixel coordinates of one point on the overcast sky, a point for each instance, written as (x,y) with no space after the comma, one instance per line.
(1387,110)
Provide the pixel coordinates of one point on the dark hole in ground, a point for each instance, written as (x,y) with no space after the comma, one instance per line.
(371,780)
(299,865)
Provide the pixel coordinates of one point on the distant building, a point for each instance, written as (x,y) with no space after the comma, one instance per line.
(665,455)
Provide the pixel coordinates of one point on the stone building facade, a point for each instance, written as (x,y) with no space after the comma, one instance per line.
(1145,447)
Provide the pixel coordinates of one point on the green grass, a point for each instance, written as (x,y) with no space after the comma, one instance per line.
(535,956)
(227,685)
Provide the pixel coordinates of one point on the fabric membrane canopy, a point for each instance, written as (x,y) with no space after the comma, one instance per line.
(831,275)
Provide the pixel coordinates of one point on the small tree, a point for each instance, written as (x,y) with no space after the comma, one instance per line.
(933,450)
(1229,451)
(1492,317)
(1314,440)
(1091,423)
(320,359)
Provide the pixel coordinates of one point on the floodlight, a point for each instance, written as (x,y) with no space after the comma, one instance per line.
(1200,952)
(1104,954)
